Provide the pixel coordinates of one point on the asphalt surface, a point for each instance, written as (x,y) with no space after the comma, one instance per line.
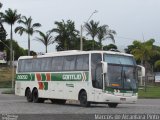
(16,105)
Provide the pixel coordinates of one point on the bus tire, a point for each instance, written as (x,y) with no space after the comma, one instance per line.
(29,95)
(83,99)
(36,98)
(112,105)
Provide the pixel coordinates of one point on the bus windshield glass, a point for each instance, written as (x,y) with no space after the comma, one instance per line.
(121,72)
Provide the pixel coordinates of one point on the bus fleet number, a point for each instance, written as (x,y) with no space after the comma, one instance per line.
(22,77)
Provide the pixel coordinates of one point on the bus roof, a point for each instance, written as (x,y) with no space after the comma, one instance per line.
(73,52)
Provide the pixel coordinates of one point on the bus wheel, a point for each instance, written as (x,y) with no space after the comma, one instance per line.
(112,105)
(36,99)
(83,99)
(29,95)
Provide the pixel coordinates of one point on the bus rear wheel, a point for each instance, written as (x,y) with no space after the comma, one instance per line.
(29,95)
(36,98)
(83,99)
(112,105)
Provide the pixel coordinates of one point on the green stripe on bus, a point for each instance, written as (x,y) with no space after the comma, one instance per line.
(45,85)
(81,76)
(43,75)
(32,77)
(56,77)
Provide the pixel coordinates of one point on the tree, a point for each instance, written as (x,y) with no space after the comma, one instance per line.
(157,65)
(66,34)
(110,47)
(10,17)
(18,51)
(92,30)
(104,33)
(88,45)
(45,38)
(2,33)
(144,51)
(27,27)
(1,5)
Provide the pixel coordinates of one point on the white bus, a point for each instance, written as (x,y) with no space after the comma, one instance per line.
(88,76)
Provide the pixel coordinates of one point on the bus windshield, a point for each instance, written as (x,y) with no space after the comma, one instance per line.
(121,72)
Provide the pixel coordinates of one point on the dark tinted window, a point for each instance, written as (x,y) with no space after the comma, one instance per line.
(36,64)
(82,62)
(46,64)
(55,64)
(119,59)
(69,63)
(96,58)
(27,65)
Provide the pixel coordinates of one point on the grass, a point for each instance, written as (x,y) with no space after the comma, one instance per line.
(5,74)
(5,84)
(8,91)
(5,77)
(151,92)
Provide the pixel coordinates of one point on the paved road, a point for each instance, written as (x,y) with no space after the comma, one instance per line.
(11,104)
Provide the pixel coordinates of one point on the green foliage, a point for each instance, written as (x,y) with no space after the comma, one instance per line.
(18,51)
(88,45)
(27,27)
(104,33)
(109,47)
(157,65)
(1,5)
(10,16)
(143,51)
(45,38)
(92,30)
(3,33)
(66,34)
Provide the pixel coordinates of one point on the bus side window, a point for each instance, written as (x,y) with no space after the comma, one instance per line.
(57,64)
(46,64)
(20,66)
(95,59)
(82,62)
(27,65)
(36,64)
(69,63)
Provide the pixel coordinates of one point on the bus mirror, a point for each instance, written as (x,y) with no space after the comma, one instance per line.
(141,71)
(104,67)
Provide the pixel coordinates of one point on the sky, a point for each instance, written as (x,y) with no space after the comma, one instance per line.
(131,19)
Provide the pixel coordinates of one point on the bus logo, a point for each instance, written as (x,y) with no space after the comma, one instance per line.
(74,76)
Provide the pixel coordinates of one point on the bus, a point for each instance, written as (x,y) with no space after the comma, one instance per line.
(89,77)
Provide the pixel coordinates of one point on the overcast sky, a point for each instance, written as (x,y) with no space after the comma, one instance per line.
(131,19)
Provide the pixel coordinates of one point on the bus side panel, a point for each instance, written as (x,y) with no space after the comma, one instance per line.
(21,86)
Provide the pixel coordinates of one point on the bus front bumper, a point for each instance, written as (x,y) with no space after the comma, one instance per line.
(122,99)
